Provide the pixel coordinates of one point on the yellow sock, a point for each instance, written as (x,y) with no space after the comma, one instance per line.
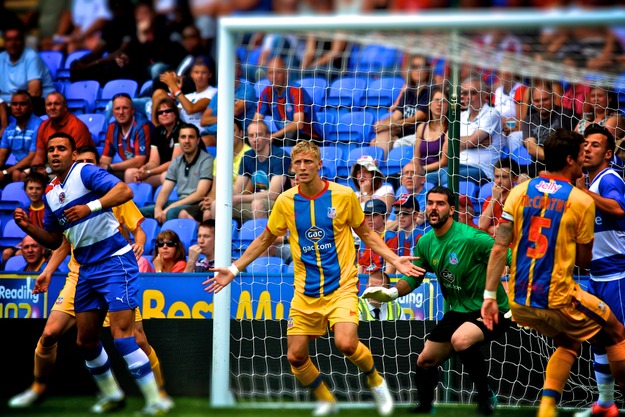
(363,359)
(309,376)
(156,369)
(558,370)
(45,357)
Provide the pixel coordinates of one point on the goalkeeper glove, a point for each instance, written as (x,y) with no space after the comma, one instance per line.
(381,294)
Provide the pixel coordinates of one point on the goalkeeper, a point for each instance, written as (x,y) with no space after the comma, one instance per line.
(458,255)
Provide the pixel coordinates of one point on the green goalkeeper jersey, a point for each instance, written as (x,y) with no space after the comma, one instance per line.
(459,259)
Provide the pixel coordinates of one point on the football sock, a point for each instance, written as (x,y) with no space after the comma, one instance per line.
(473,361)
(100,368)
(45,357)
(156,369)
(139,367)
(309,376)
(363,359)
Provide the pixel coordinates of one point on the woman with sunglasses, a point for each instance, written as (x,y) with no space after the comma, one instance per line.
(169,253)
(163,148)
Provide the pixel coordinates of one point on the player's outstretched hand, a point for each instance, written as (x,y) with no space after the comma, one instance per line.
(222,277)
(42,283)
(405,266)
(490,313)
(380,293)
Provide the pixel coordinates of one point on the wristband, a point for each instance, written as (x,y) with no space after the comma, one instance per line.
(94,205)
(233,268)
(177,93)
(490,294)
(393,293)
(4,172)
(148,171)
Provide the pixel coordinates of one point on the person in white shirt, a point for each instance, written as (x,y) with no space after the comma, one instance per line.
(370,309)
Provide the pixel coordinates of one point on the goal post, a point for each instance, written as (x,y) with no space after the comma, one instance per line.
(449,21)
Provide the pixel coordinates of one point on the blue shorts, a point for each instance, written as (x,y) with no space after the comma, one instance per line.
(112,284)
(612,293)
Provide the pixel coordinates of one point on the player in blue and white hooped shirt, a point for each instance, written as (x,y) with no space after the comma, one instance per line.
(78,205)
(607,269)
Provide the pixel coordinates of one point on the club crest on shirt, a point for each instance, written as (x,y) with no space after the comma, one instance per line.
(549,187)
(601,306)
(331,213)
(62,198)
(289,322)
(453,259)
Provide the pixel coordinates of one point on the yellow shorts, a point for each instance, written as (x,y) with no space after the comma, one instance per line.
(310,316)
(65,301)
(580,321)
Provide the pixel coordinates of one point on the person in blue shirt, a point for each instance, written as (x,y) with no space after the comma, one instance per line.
(19,138)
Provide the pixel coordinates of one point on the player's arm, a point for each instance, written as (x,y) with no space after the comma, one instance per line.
(583,255)
(607,205)
(224,276)
(296,124)
(51,240)
(496,265)
(58,256)
(403,264)
(474,140)
(116,196)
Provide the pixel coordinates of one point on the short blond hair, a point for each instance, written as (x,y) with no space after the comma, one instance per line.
(306,146)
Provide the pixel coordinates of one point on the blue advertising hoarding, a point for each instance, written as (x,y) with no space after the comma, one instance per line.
(254,296)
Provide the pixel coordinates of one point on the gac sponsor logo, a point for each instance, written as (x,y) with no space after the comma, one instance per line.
(315,234)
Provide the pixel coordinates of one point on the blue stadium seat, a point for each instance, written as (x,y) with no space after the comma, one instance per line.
(173,196)
(486,191)
(521,155)
(186,229)
(97,125)
(327,120)
(142,193)
(345,168)
(347,92)
(114,87)
(15,263)
(63,73)
(316,88)
(397,158)
(354,127)
(331,157)
(249,231)
(53,60)
(12,235)
(378,59)
(260,85)
(212,150)
(81,96)
(151,228)
(471,190)
(383,92)
(265,265)
(146,89)
(290,268)
(14,192)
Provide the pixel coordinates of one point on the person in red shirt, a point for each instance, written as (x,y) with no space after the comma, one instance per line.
(506,172)
(60,120)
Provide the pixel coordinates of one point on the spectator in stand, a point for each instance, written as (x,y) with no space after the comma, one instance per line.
(169,253)
(466,212)
(60,119)
(411,184)
(409,108)
(263,172)
(370,309)
(129,136)
(542,120)
(20,138)
(202,255)
(244,107)
(511,100)
(368,182)
(35,255)
(190,173)
(410,225)
(375,217)
(81,26)
(163,146)
(34,186)
(506,171)
(193,104)
(4,117)
(480,133)
(205,210)
(289,106)
(430,147)
(23,69)
(604,112)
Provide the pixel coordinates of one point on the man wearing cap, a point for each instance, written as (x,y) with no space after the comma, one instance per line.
(375,217)
(368,183)
(409,231)
(458,255)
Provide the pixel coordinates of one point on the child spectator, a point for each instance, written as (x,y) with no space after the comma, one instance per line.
(506,171)
(202,255)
